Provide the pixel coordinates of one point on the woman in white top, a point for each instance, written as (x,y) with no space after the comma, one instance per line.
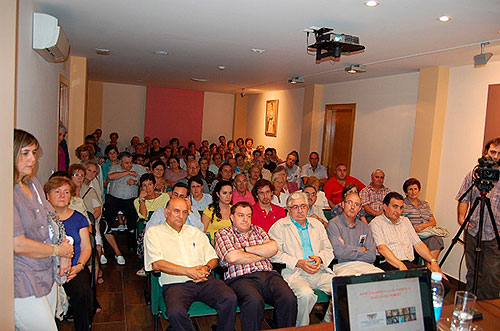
(199,200)
(280,190)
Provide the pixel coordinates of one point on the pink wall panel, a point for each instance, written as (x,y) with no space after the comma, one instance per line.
(174,113)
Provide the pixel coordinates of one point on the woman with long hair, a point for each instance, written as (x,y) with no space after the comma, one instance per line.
(39,238)
(216,215)
(59,191)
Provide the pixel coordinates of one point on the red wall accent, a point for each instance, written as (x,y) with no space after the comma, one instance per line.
(174,113)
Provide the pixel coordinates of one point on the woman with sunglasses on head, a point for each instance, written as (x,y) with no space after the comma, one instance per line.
(39,238)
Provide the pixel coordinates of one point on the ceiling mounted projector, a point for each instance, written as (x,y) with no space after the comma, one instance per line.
(331,44)
(480,60)
(296,80)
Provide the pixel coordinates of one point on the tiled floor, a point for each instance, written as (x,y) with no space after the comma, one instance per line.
(123,305)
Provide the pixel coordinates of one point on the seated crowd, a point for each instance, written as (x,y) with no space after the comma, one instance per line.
(255,209)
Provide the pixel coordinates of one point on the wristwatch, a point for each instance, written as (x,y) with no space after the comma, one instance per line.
(209,269)
(142,200)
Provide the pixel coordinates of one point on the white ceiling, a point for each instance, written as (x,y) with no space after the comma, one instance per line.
(202,34)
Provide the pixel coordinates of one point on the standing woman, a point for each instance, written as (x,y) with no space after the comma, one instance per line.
(59,191)
(216,215)
(35,246)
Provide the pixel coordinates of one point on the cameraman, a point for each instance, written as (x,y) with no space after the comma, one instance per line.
(489,275)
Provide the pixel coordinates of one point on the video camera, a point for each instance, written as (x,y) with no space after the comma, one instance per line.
(486,173)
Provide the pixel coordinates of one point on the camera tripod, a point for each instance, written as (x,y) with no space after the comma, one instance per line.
(485,201)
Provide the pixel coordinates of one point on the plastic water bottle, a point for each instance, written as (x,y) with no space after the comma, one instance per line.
(437,293)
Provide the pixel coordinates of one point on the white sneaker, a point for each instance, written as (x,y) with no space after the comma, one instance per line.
(120,260)
(104,260)
(122,227)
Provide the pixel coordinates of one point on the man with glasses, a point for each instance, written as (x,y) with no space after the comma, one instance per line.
(314,210)
(304,247)
(180,190)
(265,213)
(352,240)
(192,170)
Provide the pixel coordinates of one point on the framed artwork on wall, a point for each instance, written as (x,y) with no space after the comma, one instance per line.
(271,124)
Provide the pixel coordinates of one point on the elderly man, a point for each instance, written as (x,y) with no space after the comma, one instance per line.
(265,213)
(334,186)
(123,188)
(489,275)
(246,250)
(185,258)
(292,169)
(241,192)
(304,247)
(352,240)
(373,195)
(192,170)
(314,211)
(180,190)
(396,238)
(314,168)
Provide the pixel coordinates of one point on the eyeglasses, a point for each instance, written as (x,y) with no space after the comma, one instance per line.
(352,203)
(296,207)
(77,175)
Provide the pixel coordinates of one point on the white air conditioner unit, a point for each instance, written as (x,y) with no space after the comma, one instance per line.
(49,39)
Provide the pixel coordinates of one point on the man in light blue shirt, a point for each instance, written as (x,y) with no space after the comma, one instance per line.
(180,190)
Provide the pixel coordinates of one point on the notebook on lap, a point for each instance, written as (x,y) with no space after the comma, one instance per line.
(396,300)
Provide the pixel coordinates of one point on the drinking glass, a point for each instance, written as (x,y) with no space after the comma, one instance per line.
(463,311)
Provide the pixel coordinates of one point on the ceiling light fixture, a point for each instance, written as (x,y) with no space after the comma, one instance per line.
(444,18)
(221,67)
(480,60)
(355,69)
(102,51)
(201,80)
(296,80)
(371,3)
(160,52)
(258,50)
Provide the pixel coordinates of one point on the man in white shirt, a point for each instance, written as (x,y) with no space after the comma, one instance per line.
(314,168)
(185,258)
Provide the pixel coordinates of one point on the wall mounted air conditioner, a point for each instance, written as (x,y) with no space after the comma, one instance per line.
(49,39)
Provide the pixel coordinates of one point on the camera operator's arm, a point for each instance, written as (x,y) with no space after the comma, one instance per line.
(462,212)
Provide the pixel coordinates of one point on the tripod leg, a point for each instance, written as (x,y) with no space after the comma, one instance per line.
(493,221)
(459,233)
(478,250)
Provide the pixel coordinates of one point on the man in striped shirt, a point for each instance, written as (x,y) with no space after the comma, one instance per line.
(246,250)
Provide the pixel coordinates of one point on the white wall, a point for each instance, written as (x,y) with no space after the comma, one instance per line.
(289,126)
(218,115)
(37,93)
(384,124)
(462,144)
(123,111)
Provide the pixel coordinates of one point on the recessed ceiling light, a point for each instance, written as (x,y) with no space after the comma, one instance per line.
(201,80)
(221,67)
(371,3)
(444,18)
(258,50)
(102,51)
(160,52)
(355,68)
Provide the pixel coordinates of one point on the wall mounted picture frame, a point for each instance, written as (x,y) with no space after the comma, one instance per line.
(271,125)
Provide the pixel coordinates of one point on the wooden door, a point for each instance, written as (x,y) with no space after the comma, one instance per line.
(338,136)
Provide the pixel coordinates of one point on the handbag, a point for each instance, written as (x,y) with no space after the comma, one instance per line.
(430,231)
